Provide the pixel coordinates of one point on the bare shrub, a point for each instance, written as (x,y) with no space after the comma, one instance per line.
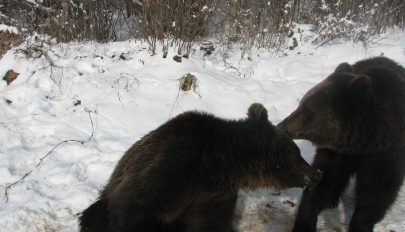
(354,19)
(262,24)
(176,22)
(78,20)
(67,20)
(182,23)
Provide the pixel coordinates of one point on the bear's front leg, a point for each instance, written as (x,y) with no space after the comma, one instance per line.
(215,215)
(379,179)
(126,217)
(308,211)
(337,169)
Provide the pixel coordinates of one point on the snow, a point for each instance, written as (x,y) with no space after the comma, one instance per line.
(124,93)
(10,29)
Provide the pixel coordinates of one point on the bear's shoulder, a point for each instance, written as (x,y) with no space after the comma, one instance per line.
(379,64)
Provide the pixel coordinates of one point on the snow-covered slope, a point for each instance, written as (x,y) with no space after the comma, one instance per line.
(101,98)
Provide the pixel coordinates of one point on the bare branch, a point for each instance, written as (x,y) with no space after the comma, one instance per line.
(9,186)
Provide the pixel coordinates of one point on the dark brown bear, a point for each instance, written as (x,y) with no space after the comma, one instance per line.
(185,175)
(356,119)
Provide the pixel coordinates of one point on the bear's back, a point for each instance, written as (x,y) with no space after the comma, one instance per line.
(196,124)
(363,66)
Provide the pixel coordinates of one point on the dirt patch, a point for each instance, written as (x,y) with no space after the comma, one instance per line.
(10,76)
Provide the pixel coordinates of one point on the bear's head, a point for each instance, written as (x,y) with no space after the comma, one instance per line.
(350,112)
(282,158)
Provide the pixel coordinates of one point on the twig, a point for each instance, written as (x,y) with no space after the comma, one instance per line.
(119,99)
(229,65)
(232,67)
(175,101)
(33,72)
(182,80)
(325,42)
(381,38)
(9,186)
(195,89)
(51,65)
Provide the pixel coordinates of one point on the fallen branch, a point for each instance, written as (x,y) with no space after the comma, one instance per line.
(9,186)
(230,66)
(186,82)
(326,41)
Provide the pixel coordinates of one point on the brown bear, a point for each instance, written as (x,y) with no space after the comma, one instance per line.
(185,175)
(356,120)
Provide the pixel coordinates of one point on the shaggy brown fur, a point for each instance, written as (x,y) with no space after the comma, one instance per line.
(356,119)
(185,175)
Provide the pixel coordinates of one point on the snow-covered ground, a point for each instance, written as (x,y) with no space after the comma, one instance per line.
(109,95)
(10,29)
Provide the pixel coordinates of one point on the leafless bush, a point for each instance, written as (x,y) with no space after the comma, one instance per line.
(254,23)
(79,20)
(181,23)
(354,19)
(268,24)
(67,20)
(175,22)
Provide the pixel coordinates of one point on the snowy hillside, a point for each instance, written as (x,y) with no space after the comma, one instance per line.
(101,98)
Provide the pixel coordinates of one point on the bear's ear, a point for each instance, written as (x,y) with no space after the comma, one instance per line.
(257,111)
(360,88)
(344,67)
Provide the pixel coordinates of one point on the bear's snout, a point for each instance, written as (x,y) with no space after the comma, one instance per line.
(289,126)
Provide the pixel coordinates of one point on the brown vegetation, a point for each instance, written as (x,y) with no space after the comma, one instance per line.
(7,41)
(182,23)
